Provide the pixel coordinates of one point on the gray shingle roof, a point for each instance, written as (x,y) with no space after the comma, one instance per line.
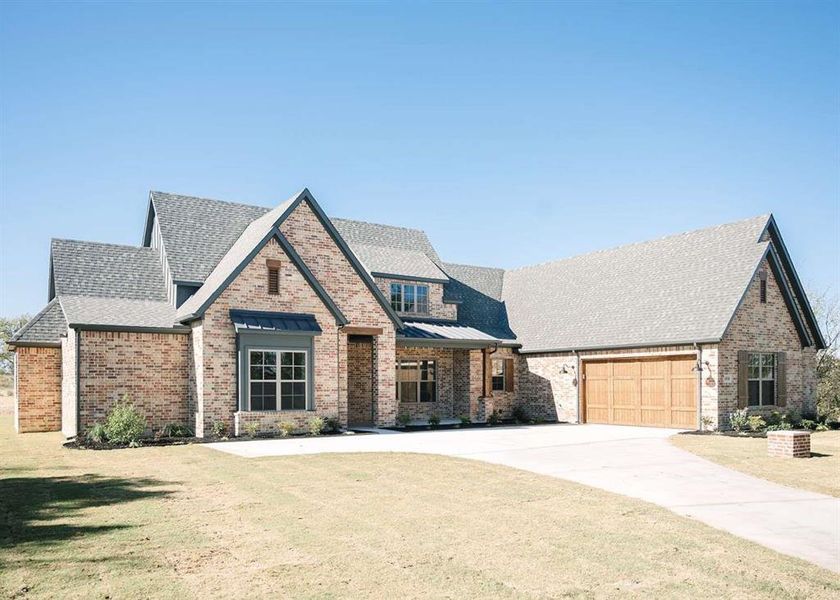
(107,270)
(681,288)
(387,236)
(479,291)
(241,248)
(197,232)
(396,261)
(121,312)
(45,327)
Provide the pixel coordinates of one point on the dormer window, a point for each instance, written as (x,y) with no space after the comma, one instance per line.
(410,298)
(273,277)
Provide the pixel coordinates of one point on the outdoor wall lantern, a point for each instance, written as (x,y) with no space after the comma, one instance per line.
(570,369)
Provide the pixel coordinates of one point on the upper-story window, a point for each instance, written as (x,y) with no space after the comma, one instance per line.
(410,298)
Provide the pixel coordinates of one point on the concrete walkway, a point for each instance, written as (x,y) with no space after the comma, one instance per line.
(633,461)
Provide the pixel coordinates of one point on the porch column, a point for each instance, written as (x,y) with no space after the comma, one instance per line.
(384,382)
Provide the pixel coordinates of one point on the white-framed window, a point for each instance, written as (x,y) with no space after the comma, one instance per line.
(416,381)
(761,379)
(277,380)
(497,373)
(410,298)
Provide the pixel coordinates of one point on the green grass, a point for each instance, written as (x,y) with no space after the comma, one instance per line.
(189,522)
(820,473)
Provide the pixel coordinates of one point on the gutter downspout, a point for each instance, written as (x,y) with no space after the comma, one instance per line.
(579,377)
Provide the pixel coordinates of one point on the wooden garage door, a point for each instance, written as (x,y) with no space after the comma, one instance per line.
(660,392)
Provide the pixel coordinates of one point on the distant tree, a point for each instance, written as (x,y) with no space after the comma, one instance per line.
(8,327)
(827,310)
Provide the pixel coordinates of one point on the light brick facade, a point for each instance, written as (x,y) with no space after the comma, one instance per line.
(438,309)
(443,407)
(150,369)
(38,389)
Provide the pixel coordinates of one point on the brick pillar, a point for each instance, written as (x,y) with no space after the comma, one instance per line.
(384,383)
(789,444)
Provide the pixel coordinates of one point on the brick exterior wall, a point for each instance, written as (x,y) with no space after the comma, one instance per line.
(763,328)
(151,368)
(214,343)
(789,444)
(360,382)
(437,307)
(444,362)
(545,391)
(341,281)
(38,389)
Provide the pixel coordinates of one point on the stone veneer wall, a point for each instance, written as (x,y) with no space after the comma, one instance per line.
(444,406)
(151,368)
(764,328)
(38,389)
(358,303)
(69,384)
(437,307)
(360,382)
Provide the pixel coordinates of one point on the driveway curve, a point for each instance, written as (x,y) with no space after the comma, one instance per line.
(633,461)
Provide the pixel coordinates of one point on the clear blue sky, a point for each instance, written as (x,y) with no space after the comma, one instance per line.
(511,134)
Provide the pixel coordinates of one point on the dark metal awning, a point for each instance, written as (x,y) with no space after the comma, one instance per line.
(444,334)
(277,322)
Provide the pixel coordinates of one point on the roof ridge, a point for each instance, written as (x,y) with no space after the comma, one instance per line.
(764,216)
(112,244)
(206,199)
(455,264)
(403,227)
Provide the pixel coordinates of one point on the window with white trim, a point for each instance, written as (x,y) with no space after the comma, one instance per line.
(410,298)
(761,379)
(277,379)
(416,381)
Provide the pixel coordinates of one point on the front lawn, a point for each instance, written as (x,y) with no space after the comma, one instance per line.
(190,522)
(820,473)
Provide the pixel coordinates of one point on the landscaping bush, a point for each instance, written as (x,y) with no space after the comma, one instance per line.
(465,420)
(124,424)
(708,423)
(738,420)
(316,425)
(177,430)
(756,423)
(96,434)
(286,428)
(403,420)
(251,429)
(434,421)
(332,425)
(220,429)
(520,415)
(495,418)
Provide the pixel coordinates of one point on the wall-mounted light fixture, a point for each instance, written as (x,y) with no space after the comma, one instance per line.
(710,380)
(570,369)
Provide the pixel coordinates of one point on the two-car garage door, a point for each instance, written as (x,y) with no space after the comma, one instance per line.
(660,392)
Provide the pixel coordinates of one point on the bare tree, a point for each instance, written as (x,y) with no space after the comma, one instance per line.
(8,327)
(827,310)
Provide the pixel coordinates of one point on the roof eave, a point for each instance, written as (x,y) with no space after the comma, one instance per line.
(589,348)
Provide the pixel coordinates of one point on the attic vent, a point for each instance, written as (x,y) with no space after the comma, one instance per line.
(273,277)
(762,290)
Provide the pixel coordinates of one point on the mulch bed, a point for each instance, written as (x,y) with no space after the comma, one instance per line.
(411,428)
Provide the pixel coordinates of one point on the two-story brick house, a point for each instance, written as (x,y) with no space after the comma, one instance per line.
(240,314)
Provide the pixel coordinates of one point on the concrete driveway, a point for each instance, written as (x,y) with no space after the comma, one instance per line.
(633,461)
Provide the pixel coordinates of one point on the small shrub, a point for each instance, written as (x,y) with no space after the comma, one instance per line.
(96,434)
(793,417)
(756,423)
(176,430)
(538,420)
(519,414)
(316,425)
(821,427)
(286,428)
(332,425)
(708,423)
(124,424)
(251,429)
(465,420)
(738,420)
(808,424)
(434,421)
(495,418)
(220,429)
(774,419)
(403,420)
(782,426)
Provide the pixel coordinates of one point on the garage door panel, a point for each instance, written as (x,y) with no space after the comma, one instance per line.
(658,392)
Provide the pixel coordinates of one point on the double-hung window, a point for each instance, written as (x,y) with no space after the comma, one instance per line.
(761,379)
(498,374)
(410,298)
(277,379)
(416,381)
